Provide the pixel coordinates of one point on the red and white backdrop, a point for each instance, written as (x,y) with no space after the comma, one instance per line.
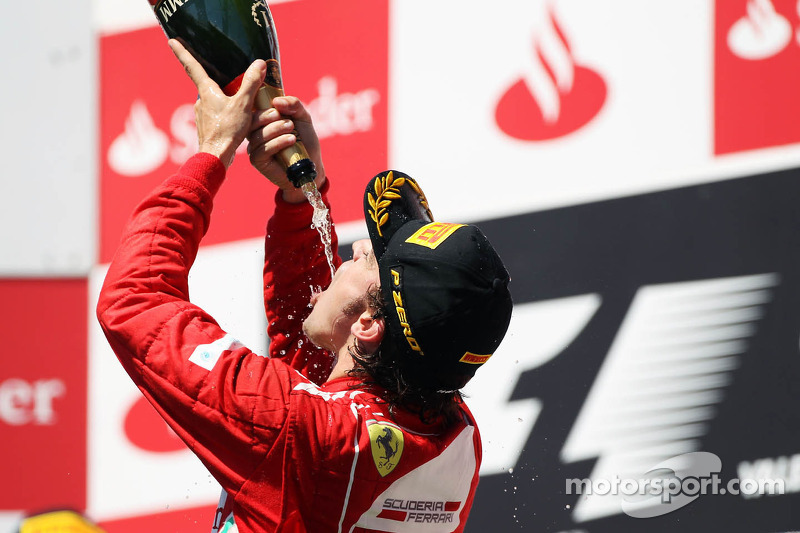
(618,152)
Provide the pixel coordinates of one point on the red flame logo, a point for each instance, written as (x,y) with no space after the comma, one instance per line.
(555,96)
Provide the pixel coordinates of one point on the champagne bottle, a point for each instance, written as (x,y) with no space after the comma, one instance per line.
(226,36)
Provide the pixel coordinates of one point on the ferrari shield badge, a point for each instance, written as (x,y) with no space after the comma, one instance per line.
(387,446)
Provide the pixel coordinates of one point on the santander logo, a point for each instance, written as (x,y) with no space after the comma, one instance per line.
(336,113)
(24,402)
(142,147)
(148,431)
(756,50)
(553,96)
(761,33)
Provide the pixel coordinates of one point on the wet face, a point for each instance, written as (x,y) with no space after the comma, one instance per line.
(336,309)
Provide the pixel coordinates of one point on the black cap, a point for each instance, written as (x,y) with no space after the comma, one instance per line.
(445,287)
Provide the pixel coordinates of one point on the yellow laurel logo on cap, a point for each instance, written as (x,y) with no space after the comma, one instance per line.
(387,446)
(386,189)
(474,359)
(433,234)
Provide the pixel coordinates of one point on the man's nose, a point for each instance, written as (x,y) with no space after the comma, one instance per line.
(360,247)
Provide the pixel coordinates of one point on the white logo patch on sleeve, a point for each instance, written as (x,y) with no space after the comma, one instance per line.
(207,355)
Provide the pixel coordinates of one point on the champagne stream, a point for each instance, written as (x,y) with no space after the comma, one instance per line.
(320,220)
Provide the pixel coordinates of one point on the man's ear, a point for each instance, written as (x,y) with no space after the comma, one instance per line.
(368,331)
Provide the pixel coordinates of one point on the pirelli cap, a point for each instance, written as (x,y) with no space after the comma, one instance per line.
(445,287)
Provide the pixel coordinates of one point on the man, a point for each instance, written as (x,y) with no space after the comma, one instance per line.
(385,443)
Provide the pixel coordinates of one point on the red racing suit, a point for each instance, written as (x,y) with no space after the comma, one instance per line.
(291,456)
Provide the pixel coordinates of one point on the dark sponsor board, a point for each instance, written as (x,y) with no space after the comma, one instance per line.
(722,261)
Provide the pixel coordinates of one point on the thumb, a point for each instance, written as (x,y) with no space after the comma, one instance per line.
(251,82)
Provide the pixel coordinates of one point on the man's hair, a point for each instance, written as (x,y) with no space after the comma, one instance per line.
(407,382)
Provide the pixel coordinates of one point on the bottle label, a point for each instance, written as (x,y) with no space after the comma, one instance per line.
(166,8)
(261,13)
(273,77)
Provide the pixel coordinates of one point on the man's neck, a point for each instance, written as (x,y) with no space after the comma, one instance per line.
(343,364)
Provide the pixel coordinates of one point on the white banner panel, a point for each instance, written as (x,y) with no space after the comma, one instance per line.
(48,203)
(543,103)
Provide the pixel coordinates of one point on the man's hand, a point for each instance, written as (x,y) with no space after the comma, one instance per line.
(222,121)
(272,132)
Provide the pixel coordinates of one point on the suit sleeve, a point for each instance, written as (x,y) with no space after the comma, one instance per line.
(228,404)
(294,264)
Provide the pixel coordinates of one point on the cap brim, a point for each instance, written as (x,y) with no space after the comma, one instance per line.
(391,200)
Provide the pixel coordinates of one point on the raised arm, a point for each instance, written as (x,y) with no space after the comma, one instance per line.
(227,403)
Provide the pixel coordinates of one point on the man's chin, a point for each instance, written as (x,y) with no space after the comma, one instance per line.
(309,333)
